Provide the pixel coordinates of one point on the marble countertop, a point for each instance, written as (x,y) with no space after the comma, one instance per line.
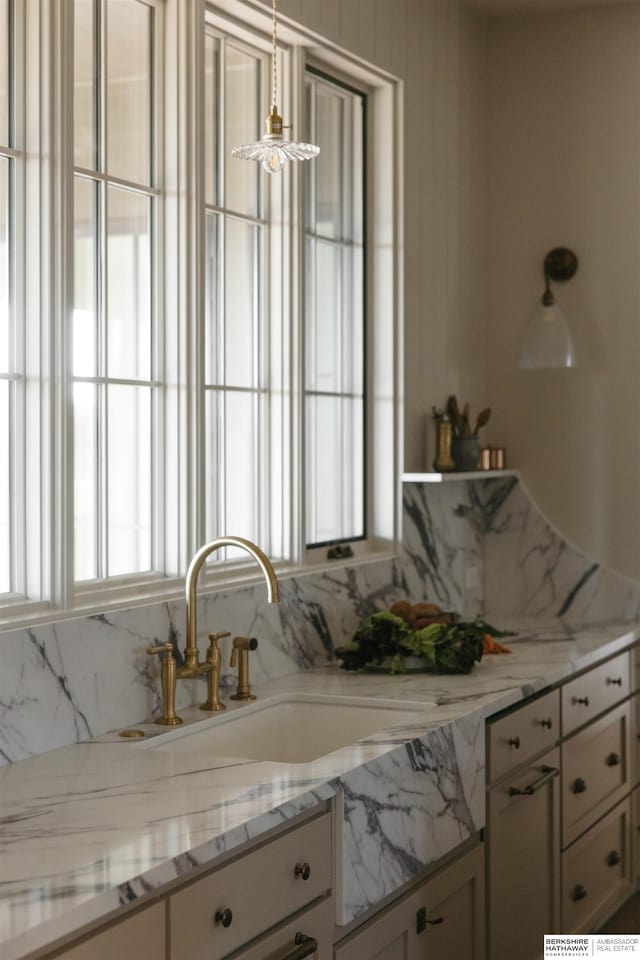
(91,827)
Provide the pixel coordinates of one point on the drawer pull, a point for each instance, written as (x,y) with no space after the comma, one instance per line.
(613,760)
(303,870)
(304,947)
(578,786)
(225,917)
(579,892)
(548,773)
(613,859)
(515,742)
(616,682)
(547,723)
(422,921)
(583,700)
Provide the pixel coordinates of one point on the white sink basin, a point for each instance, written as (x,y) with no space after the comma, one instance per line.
(292,729)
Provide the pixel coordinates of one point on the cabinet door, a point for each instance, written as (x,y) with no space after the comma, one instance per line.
(139,937)
(442,920)
(596,872)
(524,860)
(595,771)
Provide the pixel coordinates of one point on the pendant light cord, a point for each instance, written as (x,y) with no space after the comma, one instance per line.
(273,55)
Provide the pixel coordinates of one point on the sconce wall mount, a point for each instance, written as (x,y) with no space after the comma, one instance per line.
(547,343)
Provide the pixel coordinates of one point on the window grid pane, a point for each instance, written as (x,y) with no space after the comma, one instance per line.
(335,435)
(237,400)
(116,394)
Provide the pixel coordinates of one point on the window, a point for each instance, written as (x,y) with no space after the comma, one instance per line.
(117,362)
(242,377)
(335,441)
(188,357)
(12,358)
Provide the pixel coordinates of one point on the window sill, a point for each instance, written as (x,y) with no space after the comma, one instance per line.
(94,604)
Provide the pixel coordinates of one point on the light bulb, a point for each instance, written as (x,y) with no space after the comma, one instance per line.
(272,163)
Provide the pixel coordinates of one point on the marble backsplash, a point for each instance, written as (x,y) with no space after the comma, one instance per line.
(472,546)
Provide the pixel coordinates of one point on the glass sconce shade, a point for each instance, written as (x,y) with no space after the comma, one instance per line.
(273,151)
(547,343)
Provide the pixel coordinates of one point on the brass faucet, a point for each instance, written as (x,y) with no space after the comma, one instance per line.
(192,667)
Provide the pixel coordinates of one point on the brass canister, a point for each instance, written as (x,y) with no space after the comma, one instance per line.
(443,462)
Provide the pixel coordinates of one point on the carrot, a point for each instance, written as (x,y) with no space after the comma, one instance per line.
(489,645)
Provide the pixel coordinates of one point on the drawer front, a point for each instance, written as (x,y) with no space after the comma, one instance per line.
(258,890)
(595,771)
(518,736)
(594,692)
(315,923)
(596,872)
(140,937)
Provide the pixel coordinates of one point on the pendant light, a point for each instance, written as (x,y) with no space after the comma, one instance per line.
(273,150)
(547,343)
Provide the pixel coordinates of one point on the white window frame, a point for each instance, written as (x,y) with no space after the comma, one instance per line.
(49,302)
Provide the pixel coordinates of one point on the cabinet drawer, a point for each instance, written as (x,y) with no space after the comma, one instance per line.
(258,890)
(518,736)
(595,771)
(596,871)
(140,937)
(594,692)
(523,875)
(316,923)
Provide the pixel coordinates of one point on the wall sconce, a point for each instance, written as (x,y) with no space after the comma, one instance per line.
(547,343)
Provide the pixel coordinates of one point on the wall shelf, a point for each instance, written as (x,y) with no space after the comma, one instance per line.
(454,475)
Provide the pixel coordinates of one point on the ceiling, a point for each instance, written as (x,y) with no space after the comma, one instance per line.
(539,6)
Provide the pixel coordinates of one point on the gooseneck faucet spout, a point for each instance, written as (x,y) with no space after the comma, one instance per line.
(192,667)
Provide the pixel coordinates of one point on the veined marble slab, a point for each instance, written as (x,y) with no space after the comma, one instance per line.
(94,826)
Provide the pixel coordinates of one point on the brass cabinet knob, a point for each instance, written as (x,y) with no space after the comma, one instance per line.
(579,785)
(515,743)
(617,681)
(547,723)
(613,760)
(579,892)
(583,700)
(613,859)
(303,870)
(224,917)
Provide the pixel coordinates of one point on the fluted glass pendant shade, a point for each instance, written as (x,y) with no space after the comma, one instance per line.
(547,343)
(273,150)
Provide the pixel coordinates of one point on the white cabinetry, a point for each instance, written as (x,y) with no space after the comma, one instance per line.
(139,937)
(523,828)
(442,919)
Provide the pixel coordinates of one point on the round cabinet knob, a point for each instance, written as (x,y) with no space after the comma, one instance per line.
(578,786)
(224,917)
(613,760)
(547,723)
(303,870)
(583,700)
(616,682)
(579,892)
(515,743)
(613,859)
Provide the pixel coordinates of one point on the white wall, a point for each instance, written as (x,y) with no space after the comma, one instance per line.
(563,168)
(437,48)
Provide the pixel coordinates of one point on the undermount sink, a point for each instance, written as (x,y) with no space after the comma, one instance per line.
(292,729)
